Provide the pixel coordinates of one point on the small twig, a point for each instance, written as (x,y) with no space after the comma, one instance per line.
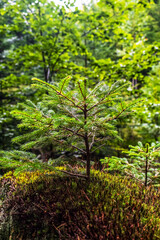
(93,140)
(64,224)
(98,147)
(73,174)
(86,196)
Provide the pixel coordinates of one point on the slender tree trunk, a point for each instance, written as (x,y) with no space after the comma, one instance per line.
(146,169)
(88,158)
(134,83)
(43,54)
(87,144)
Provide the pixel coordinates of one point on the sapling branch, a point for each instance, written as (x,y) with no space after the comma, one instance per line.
(81,150)
(98,147)
(71,114)
(58,92)
(81,90)
(93,140)
(63,84)
(123,110)
(98,103)
(74,132)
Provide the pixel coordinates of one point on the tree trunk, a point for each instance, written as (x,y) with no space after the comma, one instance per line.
(87,156)
(146,169)
(87,143)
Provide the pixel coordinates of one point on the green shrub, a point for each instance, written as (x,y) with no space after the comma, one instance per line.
(142,163)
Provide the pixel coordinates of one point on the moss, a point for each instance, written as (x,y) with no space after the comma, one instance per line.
(107,207)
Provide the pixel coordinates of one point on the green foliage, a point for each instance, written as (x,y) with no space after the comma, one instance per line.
(103,42)
(109,207)
(153,23)
(79,117)
(20,161)
(142,163)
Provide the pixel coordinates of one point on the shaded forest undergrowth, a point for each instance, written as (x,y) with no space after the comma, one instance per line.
(51,205)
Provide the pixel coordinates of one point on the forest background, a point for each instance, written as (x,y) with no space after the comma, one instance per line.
(105,41)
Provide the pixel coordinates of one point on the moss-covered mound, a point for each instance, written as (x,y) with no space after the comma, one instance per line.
(52,206)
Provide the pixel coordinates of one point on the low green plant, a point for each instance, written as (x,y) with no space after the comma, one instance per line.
(21,161)
(142,163)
